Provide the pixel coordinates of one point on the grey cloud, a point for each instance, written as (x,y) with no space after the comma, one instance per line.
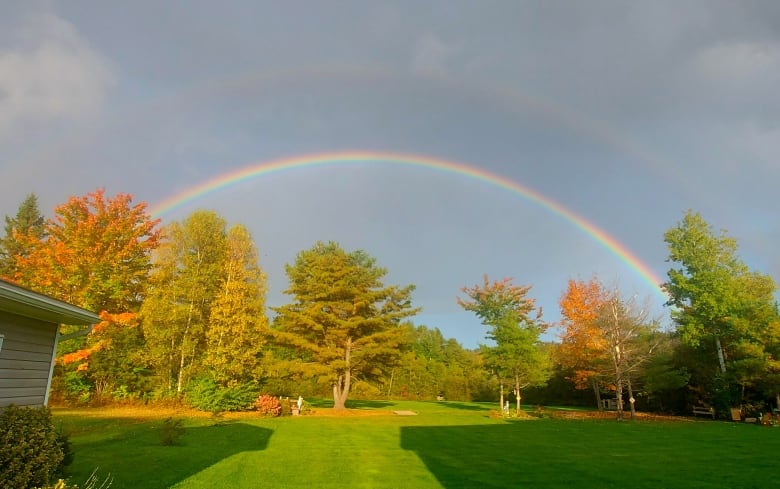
(50,74)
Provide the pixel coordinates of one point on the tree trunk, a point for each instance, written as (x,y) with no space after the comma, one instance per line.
(517,396)
(631,399)
(619,395)
(342,384)
(180,376)
(390,388)
(721,359)
(501,400)
(597,393)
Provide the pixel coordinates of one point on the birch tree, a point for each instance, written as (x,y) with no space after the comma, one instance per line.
(183,287)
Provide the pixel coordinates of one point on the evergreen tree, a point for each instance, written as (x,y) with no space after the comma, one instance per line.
(343,319)
(21,233)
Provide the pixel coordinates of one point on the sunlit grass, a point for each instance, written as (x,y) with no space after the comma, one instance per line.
(448,444)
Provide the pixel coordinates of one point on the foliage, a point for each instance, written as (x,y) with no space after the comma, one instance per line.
(206,394)
(583,348)
(238,324)
(343,319)
(68,455)
(95,253)
(30,449)
(182,289)
(431,365)
(721,306)
(606,338)
(21,233)
(77,388)
(269,405)
(171,431)
(514,326)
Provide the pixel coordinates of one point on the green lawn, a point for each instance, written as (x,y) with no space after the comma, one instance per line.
(446,445)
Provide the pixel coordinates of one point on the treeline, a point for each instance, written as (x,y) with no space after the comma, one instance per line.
(184,317)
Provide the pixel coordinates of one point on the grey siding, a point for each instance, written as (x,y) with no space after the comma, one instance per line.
(25,359)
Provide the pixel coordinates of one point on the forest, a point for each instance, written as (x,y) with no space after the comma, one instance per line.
(184,319)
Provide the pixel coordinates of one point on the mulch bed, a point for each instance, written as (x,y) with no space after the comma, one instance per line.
(639,416)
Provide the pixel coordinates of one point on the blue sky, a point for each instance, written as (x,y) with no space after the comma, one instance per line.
(626,113)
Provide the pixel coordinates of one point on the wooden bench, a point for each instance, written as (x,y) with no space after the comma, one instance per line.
(704,411)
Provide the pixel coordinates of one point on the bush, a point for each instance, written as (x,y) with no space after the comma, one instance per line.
(207,395)
(30,451)
(286,406)
(78,390)
(269,405)
(63,440)
(171,431)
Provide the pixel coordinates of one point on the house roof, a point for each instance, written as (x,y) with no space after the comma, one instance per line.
(24,302)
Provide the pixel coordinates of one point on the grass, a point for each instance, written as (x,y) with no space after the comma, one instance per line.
(448,444)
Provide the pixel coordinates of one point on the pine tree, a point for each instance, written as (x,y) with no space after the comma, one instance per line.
(21,233)
(343,319)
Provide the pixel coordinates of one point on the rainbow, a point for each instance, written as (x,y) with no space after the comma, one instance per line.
(414,160)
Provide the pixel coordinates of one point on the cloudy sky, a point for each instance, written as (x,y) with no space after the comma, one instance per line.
(624,113)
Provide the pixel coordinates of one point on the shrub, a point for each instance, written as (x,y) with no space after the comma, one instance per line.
(171,431)
(78,390)
(286,406)
(63,440)
(207,395)
(269,405)
(30,452)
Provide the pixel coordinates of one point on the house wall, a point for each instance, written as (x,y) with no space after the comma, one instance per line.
(25,360)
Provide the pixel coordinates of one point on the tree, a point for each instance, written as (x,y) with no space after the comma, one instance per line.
(631,341)
(94,253)
(718,301)
(606,337)
(515,326)
(238,324)
(183,286)
(343,319)
(27,228)
(583,346)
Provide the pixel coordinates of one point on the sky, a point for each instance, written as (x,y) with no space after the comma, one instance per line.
(595,126)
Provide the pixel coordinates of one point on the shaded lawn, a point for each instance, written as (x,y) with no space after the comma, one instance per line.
(598,453)
(447,445)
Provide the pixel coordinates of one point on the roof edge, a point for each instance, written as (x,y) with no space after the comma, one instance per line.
(26,302)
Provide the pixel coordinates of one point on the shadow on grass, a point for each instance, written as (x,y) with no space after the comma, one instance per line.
(595,454)
(463,456)
(362,404)
(135,457)
(465,406)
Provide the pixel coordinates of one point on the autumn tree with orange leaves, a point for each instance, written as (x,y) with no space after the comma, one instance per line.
(606,339)
(95,253)
(583,344)
(514,326)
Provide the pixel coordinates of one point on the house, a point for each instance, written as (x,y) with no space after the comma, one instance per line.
(29,333)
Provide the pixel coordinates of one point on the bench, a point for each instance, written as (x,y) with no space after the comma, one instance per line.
(706,411)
